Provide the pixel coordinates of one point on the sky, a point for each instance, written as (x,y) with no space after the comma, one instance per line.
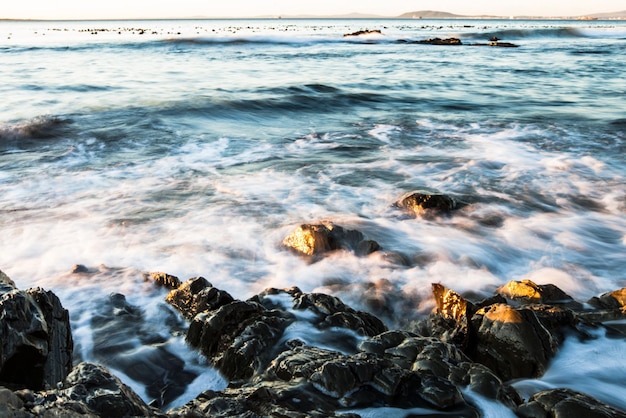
(133,9)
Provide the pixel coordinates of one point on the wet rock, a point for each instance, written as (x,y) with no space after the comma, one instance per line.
(364,380)
(364,32)
(318,239)
(11,405)
(334,313)
(123,341)
(432,357)
(238,337)
(103,393)
(35,338)
(566,403)
(165,280)
(266,399)
(512,342)
(451,322)
(615,300)
(424,203)
(6,284)
(197,295)
(79,269)
(527,292)
(439,41)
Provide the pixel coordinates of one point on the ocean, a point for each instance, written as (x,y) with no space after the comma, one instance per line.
(194,147)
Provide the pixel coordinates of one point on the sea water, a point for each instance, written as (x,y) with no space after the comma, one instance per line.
(195,147)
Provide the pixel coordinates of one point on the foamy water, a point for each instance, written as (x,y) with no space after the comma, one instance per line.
(195,147)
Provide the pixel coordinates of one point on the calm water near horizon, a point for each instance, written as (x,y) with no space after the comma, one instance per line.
(195,146)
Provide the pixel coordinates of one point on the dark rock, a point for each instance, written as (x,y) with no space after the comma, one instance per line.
(423,203)
(566,403)
(123,341)
(615,300)
(197,295)
(6,284)
(238,337)
(11,405)
(275,399)
(165,280)
(364,32)
(527,292)
(318,239)
(79,269)
(35,339)
(103,393)
(512,342)
(337,314)
(439,41)
(364,380)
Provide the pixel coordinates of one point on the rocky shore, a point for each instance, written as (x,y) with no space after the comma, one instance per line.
(288,353)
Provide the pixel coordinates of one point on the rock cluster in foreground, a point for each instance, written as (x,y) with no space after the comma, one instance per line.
(344,360)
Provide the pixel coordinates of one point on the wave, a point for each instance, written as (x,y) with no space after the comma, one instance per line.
(40,127)
(530,33)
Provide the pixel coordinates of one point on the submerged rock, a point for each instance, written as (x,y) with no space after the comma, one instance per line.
(318,239)
(124,341)
(423,203)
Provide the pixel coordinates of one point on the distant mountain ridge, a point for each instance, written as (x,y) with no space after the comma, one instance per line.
(434,14)
(610,15)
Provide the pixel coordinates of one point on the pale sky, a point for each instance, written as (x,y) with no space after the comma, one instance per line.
(132,9)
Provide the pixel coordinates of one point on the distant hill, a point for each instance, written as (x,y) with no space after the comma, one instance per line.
(429,14)
(613,15)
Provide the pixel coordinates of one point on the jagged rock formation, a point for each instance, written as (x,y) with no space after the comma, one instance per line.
(35,337)
(345,360)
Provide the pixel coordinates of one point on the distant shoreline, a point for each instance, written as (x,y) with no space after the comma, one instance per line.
(413,15)
(539,18)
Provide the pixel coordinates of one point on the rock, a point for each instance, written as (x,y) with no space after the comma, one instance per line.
(79,269)
(123,341)
(365,380)
(197,295)
(451,323)
(615,300)
(364,32)
(512,342)
(334,313)
(10,404)
(6,284)
(527,292)
(35,339)
(439,41)
(423,203)
(566,403)
(238,337)
(318,239)
(275,399)
(165,280)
